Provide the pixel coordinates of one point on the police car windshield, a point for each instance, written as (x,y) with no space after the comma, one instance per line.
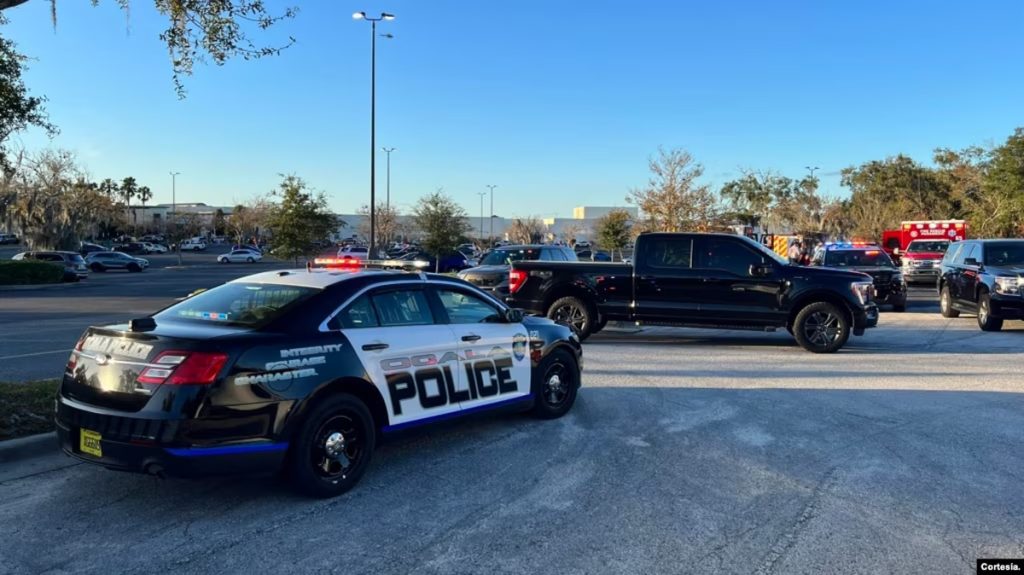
(238,304)
(502,257)
(857,258)
(1004,253)
(939,247)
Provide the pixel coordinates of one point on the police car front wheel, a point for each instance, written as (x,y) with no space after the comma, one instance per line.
(559,380)
(334,447)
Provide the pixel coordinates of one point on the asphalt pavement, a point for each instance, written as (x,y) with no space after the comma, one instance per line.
(688,451)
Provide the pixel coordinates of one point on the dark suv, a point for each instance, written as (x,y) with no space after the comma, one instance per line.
(984,277)
(73,263)
(890,287)
(492,273)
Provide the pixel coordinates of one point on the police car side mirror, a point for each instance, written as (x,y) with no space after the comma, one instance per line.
(513,315)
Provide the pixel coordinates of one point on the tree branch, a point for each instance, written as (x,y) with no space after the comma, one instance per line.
(5,4)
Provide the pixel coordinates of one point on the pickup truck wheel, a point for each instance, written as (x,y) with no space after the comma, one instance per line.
(946,304)
(821,327)
(559,380)
(985,320)
(573,312)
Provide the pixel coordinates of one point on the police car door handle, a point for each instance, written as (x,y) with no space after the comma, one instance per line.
(470,337)
(375,346)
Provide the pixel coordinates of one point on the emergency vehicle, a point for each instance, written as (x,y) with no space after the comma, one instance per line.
(896,242)
(305,370)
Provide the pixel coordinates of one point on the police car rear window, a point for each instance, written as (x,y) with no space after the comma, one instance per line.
(238,304)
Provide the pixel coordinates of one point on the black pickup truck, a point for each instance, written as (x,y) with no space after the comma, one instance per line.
(700,280)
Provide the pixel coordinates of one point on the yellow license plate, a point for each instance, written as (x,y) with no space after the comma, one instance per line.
(89,442)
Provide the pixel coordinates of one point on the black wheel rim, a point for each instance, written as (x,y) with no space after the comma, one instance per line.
(571,315)
(557,384)
(337,447)
(822,328)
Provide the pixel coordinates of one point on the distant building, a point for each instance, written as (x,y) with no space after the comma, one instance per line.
(597,212)
(157,215)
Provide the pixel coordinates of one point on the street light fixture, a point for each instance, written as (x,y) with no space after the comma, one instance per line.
(812,170)
(490,233)
(373,122)
(174,194)
(480,234)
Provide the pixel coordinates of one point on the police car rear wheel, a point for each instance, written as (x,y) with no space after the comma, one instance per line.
(333,448)
(557,385)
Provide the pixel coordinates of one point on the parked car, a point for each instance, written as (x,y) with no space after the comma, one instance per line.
(701,280)
(87,248)
(111,260)
(156,248)
(235,256)
(983,277)
(8,239)
(249,247)
(133,248)
(492,273)
(193,245)
(354,252)
(594,256)
(452,262)
(74,265)
(890,285)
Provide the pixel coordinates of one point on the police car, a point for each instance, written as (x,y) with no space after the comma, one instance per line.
(305,370)
(889,283)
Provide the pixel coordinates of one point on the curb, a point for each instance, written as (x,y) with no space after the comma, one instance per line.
(32,287)
(28,447)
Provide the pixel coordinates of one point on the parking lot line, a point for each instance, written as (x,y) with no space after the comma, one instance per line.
(2,357)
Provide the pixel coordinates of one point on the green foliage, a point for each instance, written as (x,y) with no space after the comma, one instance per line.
(300,220)
(26,408)
(781,204)
(24,272)
(442,222)
(614,230)
(998,211)
(18,110)
(884,193)
(219,222)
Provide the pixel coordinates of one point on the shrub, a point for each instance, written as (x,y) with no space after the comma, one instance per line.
(30,272)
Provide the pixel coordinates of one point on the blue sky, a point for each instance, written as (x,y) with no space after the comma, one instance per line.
(558,103)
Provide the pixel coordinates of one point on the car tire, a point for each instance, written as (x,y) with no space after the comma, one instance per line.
(601,322)
(340,429)
(557,382)
(900,306)
(575,313)
(250,260)
(224,260)
(821,327)
(946,304)
(985,320)
(134,268)
(98,268)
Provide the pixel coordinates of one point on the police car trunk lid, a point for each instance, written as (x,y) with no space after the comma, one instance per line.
(118,368)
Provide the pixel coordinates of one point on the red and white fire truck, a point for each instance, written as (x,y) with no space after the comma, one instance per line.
(920,245)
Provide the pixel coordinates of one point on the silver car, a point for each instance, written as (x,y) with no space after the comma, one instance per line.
(103,261)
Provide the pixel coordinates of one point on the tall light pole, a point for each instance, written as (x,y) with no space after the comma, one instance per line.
(490,234)
(174,194)
(481,232)
(373,122)
(388,151)
(812,170)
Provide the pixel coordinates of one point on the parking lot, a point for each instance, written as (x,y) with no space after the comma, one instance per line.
(688,451)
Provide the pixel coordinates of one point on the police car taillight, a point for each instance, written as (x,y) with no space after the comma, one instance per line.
(184,367)
(516,279)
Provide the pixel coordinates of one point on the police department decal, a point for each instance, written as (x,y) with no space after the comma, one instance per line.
(519,346)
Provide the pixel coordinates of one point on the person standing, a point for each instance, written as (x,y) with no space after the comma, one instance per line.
(795,253)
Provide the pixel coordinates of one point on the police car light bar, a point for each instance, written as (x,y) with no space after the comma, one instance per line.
(356,263)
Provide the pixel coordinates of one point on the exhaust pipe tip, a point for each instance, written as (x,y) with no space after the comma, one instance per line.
(156,470)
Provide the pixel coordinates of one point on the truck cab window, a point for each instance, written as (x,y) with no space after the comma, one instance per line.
(728,255)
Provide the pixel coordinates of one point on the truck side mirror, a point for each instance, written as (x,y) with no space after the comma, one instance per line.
(971,262)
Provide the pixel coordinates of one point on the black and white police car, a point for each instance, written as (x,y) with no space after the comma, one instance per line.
(305,370)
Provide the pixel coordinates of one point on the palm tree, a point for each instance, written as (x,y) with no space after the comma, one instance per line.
(144,194)
(128,190)
(109,188)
